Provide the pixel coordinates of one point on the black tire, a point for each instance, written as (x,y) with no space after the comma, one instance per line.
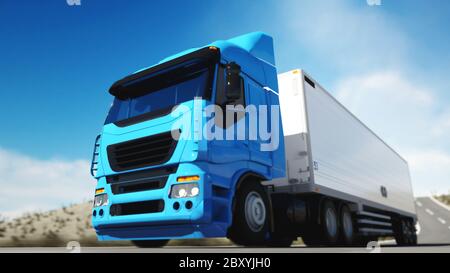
(150,243)
(250,220)
(330,223)
(362,241)
(347,227)
(405,233)
(413,238)
(278,240)
(311,239)
(327,232)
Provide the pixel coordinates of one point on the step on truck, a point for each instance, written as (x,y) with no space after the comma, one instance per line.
(212,142)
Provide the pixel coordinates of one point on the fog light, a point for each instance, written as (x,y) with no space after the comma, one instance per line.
(184,190)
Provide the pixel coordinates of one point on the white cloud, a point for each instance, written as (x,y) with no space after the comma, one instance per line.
(430,171)
(29,184)
(371,60)
(442,125)
(390,83)
(345,35)
(404,113)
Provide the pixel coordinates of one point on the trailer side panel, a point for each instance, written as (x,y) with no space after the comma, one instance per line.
(348,157)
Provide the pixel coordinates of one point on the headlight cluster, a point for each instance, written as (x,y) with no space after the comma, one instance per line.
(101,200)
(184,190)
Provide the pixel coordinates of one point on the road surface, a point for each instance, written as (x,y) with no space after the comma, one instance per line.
(433,236)
(434,221)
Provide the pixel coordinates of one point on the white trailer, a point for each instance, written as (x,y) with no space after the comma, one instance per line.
(341,177)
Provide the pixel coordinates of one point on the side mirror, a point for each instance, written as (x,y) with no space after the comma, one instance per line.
(233,82)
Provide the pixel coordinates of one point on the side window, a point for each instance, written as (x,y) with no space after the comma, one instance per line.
(222,101)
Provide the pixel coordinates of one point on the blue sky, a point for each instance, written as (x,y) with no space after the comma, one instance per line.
(57,62)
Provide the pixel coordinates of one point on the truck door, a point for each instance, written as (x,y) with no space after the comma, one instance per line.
(259,98)
(232,147)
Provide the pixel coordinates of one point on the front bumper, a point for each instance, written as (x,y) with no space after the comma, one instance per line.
(161,232)
(169,223)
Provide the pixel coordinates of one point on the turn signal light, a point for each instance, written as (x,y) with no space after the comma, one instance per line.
(188,178)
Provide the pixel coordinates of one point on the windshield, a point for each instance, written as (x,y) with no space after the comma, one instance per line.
(160,93)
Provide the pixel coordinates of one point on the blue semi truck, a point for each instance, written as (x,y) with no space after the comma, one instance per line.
(161,175)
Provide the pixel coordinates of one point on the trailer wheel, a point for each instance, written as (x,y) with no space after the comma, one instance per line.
(250,221)
(401,233)
(278,240)
(413,234)
(327,232)
(347,226)
(330,223)
(405,234)
(150,243)
(311,239)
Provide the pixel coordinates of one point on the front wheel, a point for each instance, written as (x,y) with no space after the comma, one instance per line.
(250,221)
(150,243)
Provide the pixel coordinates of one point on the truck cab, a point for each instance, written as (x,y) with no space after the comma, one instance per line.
(162,174)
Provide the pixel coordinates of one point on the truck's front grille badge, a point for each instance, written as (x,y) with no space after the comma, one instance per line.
(142,152)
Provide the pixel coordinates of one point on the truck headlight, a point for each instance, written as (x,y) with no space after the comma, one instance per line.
(101,200)
(184,190)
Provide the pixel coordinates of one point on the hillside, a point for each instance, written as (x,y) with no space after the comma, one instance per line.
(52,228)
(445,198)
(72,223)
(58,227)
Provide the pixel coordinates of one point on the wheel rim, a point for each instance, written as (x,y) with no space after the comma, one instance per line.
(330,221)
(255,211)
(347,224)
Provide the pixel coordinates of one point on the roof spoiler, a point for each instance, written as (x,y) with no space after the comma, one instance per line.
(208,53)
(258,44)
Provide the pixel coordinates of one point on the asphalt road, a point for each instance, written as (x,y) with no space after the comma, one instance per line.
(433,235)
(434,222)
(388,248)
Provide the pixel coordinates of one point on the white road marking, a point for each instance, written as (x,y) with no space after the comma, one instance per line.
(429,212)
(439,203)
(418,203)
(442,220)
